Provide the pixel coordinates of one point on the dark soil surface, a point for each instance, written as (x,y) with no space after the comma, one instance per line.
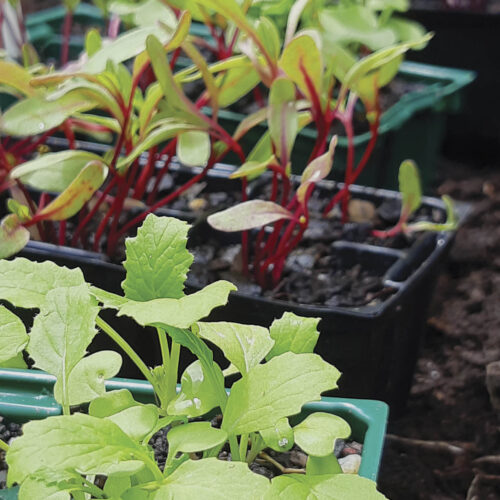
(441,448)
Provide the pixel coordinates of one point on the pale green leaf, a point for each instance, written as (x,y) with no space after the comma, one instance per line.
(213,479)
(197,395)
(15,76)
(147,13)
(136,421)
(13,236)
(37,488)
(409,187)
(235,83)
(252,169)
(88,444)
(326,487)
(93,42)
(111,403)
(317,434)
(275,390)
(292,333)
(108,299)
(248,215)
(62,332)
(193,148)
(87,379)
(25,283)
(245,346)
(15,362)
(279,437)
(157,260)
(13,337)
(53,171)
(179,313)
(193,437)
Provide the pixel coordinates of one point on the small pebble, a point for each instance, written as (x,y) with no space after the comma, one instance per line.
(350,464)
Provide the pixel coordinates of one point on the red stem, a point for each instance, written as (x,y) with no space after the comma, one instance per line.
(68,22)
(62,233)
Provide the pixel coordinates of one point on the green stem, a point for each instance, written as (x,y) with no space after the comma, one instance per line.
(255,448)
(165,352)
(243,446)
(173,369)
(4,446)
(93,489)
(235,452)
(123,344)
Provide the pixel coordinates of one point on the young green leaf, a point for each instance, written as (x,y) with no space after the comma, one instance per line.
(279,437)
(317,434)
(136,422)
(15,76)
(179,313)
(15,362)
(269,391)
(236,83)
(26,283)
(325,487)
(245,346)
(88,444)
(409,187)
(13,236)
(193,437)
(248,215)
(197,395)
(13,337)
(87,379)
(292,333)
(252,169)
(213,479)
(193,148)
(53,171)
(34,487)
(111,403)
(157,260)
(93,42)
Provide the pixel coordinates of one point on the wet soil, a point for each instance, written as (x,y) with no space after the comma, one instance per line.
(449,408)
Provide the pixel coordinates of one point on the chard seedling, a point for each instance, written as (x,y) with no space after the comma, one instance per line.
(62,455)
(411,199)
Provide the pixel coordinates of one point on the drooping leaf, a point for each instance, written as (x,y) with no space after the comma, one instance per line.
(409,187)
(86,380)
(13,236)
(157,260)
(197,395)
(213,479)
(62,332)
(36,115)
(317,434)
(13,337)
(25,283)
(302,57)
(193,437)
(88,444)
(292,333)
(53,171)
(317,170)
(193,148)
(248,215)
(270,391)
(15,76)
(179,313)
(279,437)
(245,346)
(327,487)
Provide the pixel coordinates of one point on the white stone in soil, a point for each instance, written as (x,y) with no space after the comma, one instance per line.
(350,464)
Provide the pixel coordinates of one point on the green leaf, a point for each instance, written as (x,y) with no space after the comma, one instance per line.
(279,437)
(327,487)
(13,236)
(35,115)
(316,171)
(302,56)
(179,313)
(87,379)
(16,362)
(409,187)
(317,434)
(292,333)
(22,211)
(93,42)
(252,169)
(248,215)
(318,466)
(13,337)
(197,395)
(88,444)
(150,12)
(275,390)
(245,346)
(72,199)
(406,30)
(34,487)
(15,76)
(236,83)
(269,35)
(111,403)
(193,437)
(62,332)
(25,283)
(53,171)
(283,117)
(125,47)
(193,148)
(137,421)
(157,260)
(108,299)
(213,479)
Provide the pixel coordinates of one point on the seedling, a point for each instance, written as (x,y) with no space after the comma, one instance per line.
(278,375)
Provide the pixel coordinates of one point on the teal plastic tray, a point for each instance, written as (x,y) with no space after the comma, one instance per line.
(27,394)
